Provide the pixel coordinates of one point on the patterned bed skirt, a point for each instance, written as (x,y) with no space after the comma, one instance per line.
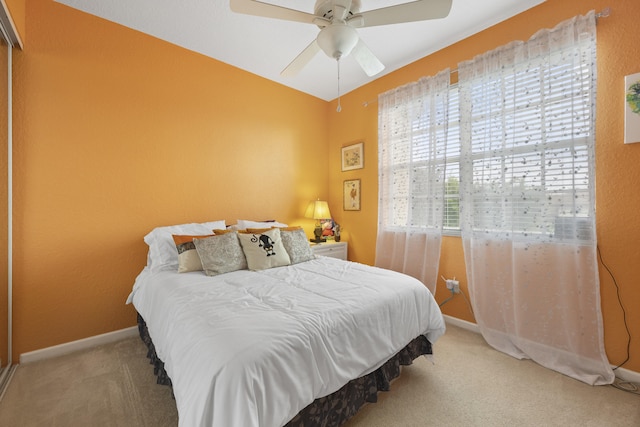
(335,409)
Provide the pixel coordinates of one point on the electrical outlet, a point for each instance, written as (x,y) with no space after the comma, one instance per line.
(453,285)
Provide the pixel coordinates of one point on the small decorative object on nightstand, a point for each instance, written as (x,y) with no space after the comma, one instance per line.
(331,249)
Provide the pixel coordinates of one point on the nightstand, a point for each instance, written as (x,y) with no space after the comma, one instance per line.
(331,249)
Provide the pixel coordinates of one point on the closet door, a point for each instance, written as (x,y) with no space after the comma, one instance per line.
(4,292)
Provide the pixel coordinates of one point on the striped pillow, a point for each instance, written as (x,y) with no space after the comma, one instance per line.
(188,258)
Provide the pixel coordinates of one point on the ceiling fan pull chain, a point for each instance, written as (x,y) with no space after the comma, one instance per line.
(339,107)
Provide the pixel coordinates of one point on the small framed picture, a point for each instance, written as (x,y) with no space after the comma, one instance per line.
(351,195)
(632,109)
(353,156)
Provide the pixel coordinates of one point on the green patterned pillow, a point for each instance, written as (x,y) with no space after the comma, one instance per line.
(297,246)
(221,254)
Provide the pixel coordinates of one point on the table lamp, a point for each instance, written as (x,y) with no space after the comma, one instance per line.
(318,209)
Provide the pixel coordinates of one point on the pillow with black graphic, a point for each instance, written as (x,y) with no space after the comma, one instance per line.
(264,250)
(220,254)
(297,245)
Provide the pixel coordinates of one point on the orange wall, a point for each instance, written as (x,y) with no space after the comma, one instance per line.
(618,179)
(116,132)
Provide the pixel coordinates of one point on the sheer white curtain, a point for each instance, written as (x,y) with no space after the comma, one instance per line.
(528,199)
(412,142)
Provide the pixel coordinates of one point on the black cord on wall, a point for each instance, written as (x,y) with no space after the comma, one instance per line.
(624,313)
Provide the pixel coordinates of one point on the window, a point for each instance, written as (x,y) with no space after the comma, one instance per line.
(413,150)
(528,158)
(529,127)
(416,162)
(451,223)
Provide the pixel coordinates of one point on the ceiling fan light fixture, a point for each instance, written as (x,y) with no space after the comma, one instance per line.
(337,40)
(337,20)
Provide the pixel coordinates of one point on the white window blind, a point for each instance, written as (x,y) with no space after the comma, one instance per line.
(451,224)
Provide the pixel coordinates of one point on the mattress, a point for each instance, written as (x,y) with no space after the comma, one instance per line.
(253,348)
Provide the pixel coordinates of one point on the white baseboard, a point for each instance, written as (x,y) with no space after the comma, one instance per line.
(623,374)
(454,321)
(59,350)
(628,375)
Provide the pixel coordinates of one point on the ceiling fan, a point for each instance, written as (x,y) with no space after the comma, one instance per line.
(337,20)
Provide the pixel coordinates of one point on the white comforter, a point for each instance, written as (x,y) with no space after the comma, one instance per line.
(254,348)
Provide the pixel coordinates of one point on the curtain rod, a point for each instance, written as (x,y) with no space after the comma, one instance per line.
(604,14)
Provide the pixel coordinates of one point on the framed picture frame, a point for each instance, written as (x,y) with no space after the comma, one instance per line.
(351,195)
(632,108)
(353,156)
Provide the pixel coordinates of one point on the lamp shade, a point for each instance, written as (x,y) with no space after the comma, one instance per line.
(318,209)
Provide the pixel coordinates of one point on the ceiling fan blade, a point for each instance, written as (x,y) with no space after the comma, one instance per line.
(301,60)
(367,60)
(419,10)
(257,8)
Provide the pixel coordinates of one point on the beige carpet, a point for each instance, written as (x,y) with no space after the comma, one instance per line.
(470,384)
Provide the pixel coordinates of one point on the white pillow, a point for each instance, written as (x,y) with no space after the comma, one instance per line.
(243,224)
(162,249)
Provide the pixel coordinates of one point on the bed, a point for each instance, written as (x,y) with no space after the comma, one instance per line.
(300,342)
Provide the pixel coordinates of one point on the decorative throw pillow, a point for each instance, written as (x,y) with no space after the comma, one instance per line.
(243,224)
(264,250)
(262,230)
(162,250)
(188,258)
(297,246)
(218,231)
(220,254)
(255,230)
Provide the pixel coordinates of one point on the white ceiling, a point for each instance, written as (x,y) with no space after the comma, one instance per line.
(265,46)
